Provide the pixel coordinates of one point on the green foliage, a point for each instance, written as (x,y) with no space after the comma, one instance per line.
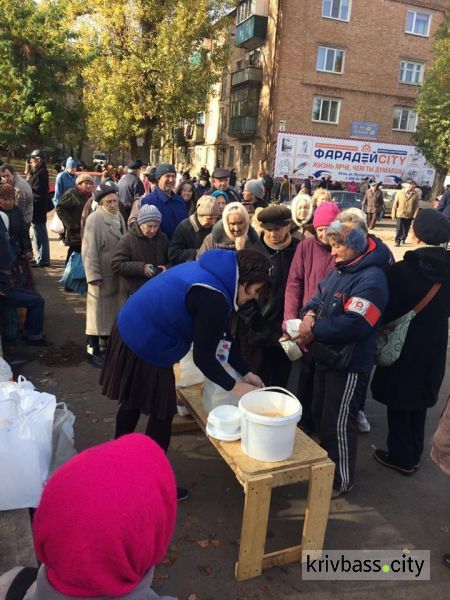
(149,66)
(433,104)
(39,95)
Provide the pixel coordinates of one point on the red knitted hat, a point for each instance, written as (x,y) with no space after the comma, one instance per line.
(106,517)
(325,214)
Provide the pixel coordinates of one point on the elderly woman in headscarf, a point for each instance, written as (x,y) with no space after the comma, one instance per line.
(339,328)
(103,230)
(233,232)
(302,214)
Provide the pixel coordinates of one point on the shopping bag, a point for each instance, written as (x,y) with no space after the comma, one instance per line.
(26,424)
(63,448)
(74,275)
(56,225)
(214,395)
(190,374)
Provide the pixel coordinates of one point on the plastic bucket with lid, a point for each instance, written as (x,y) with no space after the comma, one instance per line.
(269,422)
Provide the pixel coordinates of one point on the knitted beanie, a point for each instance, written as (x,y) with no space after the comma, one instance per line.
(208,207)
(164,169)
(106,518)
(255,187)
(71,163)
(325,214)
(147,213)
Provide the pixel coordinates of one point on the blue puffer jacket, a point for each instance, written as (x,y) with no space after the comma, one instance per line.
(352,299)
(154,322)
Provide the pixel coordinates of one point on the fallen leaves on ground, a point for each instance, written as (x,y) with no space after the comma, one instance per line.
(212,540)
(193,597)
(160,577)
(63,356)
(169,558)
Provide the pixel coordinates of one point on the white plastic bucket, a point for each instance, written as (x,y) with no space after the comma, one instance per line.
(264,437)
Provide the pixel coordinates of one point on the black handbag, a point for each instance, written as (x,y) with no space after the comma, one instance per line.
(337,358)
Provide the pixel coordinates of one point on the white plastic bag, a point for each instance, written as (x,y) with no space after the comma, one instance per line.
(56,225)
(214,395)
(190,374)
(63,437)
(26,424)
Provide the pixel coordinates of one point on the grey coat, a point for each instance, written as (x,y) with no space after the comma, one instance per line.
(101,236)
(133,252)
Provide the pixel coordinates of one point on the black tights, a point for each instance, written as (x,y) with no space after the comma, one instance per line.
(159,430)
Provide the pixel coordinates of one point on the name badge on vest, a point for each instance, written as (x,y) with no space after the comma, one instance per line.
(223,351)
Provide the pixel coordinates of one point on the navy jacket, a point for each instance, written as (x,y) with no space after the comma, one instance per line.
(352,299)
(155,323)
(172,208)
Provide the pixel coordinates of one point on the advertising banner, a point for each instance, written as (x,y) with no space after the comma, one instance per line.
(299,155)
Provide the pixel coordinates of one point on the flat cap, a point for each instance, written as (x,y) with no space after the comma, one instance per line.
(274,216)
(220,173)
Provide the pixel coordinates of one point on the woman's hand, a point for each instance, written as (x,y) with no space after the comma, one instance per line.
(97,282)
(242,388)
(305,332)
(148,272)
(253,379)
(162,267)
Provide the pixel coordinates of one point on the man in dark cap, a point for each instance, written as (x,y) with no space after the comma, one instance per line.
(170,205)
(130,188)
(264,318)
(221,181)
(38,180)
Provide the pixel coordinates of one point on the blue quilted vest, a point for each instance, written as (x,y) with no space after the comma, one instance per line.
(154,322)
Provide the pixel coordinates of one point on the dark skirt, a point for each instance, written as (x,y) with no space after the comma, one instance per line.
(135,383)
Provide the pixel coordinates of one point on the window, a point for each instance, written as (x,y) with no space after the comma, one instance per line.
(221,123)
(418,23)
(231,158)
(336,9)
(326,110)
(246,153)
(200,120)
(405,119)
(245,10)
(330,60)
(224,86)
(411,72)
(244,102)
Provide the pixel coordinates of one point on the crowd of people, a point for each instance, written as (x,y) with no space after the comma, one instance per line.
(171,265)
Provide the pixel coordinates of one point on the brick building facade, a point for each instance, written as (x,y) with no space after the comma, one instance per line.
(323,67)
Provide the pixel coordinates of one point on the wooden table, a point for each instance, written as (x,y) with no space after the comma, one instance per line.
(309,462)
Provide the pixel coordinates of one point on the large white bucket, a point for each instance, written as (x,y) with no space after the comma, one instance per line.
(264,436)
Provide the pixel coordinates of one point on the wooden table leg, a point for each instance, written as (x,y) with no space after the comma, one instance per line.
(258,493)
(317,508)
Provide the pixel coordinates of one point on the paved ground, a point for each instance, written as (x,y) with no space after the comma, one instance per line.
(385,510)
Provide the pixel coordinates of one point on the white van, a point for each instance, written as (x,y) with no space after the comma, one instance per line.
(99,157)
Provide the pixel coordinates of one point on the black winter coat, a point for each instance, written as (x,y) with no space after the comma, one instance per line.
(69,209)
(134,251)
(264,318)
(186,240)
(413,381)
(38,180)
(18,231)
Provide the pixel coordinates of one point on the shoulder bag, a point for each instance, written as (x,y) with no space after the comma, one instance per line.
(391,336)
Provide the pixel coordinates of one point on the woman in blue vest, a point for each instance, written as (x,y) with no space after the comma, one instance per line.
(190,303)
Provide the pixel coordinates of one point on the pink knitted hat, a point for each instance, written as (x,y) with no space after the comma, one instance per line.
(106,517)
(325,214)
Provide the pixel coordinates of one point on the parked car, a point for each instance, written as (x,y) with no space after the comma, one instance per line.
(389,197)
(346,199)
(99,158)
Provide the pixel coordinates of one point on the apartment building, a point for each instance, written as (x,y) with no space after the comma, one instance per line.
(336,68)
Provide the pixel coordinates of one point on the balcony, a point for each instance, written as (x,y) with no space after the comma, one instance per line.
(250,75)
(251,33)
(195,133)
(242,127)
(178,136)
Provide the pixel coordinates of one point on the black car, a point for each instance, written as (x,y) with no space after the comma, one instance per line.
(346,199)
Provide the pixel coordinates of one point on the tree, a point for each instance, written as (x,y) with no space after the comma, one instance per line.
(39,94)
(433,105)
(151,64)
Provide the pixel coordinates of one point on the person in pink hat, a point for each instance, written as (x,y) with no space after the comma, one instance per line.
(104,521)
(312,262)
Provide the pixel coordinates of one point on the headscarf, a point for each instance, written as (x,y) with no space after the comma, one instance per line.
(239,208)
(106,518)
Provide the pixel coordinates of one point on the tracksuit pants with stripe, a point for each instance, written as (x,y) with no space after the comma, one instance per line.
(337,397)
